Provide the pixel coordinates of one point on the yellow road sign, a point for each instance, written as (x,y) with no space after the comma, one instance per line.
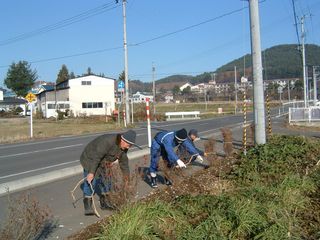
(30,97)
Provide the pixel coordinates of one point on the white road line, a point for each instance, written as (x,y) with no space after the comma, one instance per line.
(38,169)
(37,151)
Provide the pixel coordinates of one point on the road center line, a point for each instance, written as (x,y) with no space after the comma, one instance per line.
(37,151)
(38,169)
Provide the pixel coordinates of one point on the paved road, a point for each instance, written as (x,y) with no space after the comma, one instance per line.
(22,160)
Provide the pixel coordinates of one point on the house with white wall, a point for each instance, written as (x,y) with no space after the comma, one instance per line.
(141,98)
(87,95)
(185,86)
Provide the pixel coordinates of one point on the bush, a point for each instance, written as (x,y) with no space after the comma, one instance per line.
(26,219)
(275,196)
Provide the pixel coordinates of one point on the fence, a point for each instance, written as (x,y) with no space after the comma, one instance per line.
(310,114)
(171,116)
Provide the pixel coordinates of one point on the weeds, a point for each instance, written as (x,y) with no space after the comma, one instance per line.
(26,219)
(274,195)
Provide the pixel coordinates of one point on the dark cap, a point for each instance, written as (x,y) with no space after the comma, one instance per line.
(193,132)
(181,135)
(129,137)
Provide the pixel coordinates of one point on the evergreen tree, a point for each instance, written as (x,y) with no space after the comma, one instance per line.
(72,75)
(89,72)
(20,78)
(63,74)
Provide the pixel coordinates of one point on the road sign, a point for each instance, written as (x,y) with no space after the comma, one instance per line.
(30,97)
(120,86)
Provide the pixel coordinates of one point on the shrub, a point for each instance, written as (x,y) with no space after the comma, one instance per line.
(26,219)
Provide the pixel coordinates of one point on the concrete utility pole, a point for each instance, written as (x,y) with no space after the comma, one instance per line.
(303,34)
(154,89)
(235,89)
(259,112)
(314,85)
(125,47)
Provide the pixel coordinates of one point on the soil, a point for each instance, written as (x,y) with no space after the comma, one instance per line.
(205,181)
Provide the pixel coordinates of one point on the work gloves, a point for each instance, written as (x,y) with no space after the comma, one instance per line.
(199,159)
(180,164)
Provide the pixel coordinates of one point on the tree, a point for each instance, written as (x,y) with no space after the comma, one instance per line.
(63,74)
(89,72)
(20,78)
(176,90)
(122,76)
(72,75)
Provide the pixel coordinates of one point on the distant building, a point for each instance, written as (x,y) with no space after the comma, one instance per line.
(87,95)
(1,95)
(185,86)
(11,103)
(140,97)
(168,98)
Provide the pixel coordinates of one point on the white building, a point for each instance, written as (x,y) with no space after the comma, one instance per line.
(1,95)
(185,86)
(141,98)
(88,95)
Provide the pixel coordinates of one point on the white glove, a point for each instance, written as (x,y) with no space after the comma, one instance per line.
(181,164)
(199,159)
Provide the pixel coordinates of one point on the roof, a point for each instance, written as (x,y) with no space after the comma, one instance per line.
(92,75)
(13,100)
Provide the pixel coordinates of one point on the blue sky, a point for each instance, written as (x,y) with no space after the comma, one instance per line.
(193,51)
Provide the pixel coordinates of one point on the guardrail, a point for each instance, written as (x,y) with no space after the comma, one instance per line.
(171,116)
(310,114)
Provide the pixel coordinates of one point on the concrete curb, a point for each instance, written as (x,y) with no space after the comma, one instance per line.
(40,179)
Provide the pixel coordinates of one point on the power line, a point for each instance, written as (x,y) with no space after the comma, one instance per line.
(63,23)
(189,27)
(70,56)
(295,20)
(139,43)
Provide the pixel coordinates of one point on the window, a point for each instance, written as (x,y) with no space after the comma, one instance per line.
(92,105)
(64,105)
(51,106)
(85,82)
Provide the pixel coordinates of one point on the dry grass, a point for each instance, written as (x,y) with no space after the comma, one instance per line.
(26,219)
(18,129)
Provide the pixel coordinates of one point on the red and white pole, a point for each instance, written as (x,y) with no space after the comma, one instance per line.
(124,118)
(148,121)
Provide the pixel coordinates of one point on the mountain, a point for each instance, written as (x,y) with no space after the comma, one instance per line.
(281,61)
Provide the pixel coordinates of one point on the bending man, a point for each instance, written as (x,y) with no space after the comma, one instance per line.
(163,145)
(100,152)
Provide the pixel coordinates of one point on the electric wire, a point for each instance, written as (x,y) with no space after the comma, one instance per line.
(63,23)
(295,20)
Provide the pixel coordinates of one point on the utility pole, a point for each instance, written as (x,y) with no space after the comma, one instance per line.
(315,94)
(154,89)
(303,35)
(125,47)
(259,112)
(235,89)
(289,90)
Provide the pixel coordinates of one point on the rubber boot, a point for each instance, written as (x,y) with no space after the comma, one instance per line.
(154,182)
(88,210)
(105,203)
(167,182)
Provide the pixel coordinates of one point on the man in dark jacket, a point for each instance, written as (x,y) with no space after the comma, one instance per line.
(104,149)
(163,145)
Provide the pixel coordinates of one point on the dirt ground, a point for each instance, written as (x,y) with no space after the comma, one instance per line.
(204,181)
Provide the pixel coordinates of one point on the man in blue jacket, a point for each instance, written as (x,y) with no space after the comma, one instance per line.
(163,145)
(182,150)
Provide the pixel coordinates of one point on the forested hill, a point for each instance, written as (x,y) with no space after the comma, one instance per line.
(281,61)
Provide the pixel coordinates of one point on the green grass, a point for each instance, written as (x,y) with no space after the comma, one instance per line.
(275,196)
